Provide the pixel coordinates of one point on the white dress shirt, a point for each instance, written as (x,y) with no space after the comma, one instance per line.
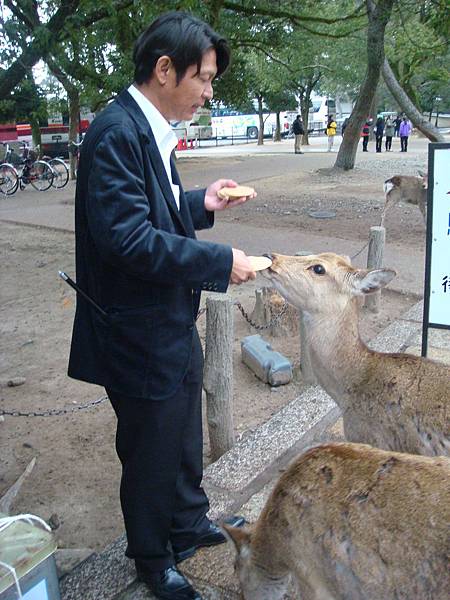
(165,138)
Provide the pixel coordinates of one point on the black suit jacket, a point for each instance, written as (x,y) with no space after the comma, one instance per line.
(137,257)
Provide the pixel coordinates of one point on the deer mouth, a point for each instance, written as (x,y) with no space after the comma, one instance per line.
(269,269)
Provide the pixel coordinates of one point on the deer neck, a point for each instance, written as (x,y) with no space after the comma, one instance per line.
(338,356)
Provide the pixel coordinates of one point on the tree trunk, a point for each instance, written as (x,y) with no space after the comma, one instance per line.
(304,109)
(261,121)
(277,134)
(74,121)
(405,103)
(73,96)
(379,16)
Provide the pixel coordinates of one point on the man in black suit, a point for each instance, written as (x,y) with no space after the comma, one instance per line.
(138,258)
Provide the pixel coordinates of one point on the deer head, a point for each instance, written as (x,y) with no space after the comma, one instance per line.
(322,282)
(255,582)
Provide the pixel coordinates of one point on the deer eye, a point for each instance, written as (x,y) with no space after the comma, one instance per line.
(318,269)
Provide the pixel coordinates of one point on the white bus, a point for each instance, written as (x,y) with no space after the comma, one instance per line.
(198,128)
(231,123)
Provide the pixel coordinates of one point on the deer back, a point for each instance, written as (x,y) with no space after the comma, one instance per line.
(352,522)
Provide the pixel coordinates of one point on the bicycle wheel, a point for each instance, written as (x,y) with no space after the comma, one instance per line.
(40,175)
(60,172)
(9,179)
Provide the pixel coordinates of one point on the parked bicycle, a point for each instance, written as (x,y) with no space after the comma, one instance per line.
(9,179)
(60,171)
(38,173)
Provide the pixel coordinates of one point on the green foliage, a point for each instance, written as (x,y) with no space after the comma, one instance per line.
(279,48)
(26,104)
(418,51)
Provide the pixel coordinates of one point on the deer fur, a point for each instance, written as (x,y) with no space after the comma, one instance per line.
(393,401)
(351,522)
(406,188)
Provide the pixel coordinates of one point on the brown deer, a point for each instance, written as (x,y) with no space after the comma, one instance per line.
(393,401)
(351,522)
(408,188)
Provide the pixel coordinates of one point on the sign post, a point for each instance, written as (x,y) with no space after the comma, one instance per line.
(436,312)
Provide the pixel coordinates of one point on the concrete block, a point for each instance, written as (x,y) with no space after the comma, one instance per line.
(270,366)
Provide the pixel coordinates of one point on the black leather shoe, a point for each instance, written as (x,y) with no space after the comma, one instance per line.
(168,584)
(211,537)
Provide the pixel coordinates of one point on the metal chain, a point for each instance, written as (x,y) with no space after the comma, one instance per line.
(53,411)
(273,321)
(64,411)
(359,252)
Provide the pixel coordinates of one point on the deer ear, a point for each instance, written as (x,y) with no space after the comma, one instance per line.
(367,282)
(240,536)
(424,177)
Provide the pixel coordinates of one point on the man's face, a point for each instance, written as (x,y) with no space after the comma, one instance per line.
(182,100)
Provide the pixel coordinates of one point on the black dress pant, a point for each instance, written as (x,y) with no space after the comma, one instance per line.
(160,446)
(365,141)
(388,143)
(378,142)
(404,143)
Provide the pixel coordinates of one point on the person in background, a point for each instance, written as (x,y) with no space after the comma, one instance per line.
(138,258)
(388,132)
(404,131)
(365,135)
(331,132)
(397,122)
(298,130)
(379,130)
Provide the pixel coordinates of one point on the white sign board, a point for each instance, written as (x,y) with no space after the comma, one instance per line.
(439,303)
(38,592)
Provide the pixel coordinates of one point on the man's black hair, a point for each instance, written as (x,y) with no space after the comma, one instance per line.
(184,39)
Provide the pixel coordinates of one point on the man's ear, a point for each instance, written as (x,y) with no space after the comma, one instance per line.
(162,68)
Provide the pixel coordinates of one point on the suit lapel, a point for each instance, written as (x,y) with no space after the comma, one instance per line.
(149,143)
(184,208)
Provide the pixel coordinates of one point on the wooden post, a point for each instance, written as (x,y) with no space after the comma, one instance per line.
(261,312)
(218,374)
(375,258)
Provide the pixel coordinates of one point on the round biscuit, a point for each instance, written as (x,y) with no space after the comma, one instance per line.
(235,192)
(259,263)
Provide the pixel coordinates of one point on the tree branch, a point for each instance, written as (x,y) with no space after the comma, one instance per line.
(406,104)
(56,30)
(294,18)
(17,12)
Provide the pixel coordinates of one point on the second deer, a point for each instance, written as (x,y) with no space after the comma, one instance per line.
(393,401)
(408,188)
(351,522)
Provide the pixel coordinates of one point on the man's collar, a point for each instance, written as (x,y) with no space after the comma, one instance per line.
(161,128)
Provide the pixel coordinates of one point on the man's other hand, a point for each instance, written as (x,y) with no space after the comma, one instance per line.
(213,202)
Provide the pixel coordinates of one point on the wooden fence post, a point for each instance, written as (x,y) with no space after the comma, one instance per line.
(218,374)
(375,257)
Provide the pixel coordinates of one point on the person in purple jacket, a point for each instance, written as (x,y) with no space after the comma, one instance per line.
(405,130)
